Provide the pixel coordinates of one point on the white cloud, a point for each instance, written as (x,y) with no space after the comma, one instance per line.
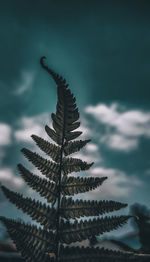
(86,132)
(120,142)
(133,123)
(5,134)
(9,179)
(31,125)
(91,147)
(123,127)
(118,183)
(27,79)
(89,158)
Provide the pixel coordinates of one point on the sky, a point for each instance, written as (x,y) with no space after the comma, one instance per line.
(102,48)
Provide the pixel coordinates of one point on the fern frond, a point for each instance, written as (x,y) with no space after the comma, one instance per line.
(79,231)
(74,185)
(42,213)
(50,149)
(70,165)
(123,246)
(37,244)
(67,115)
(47,168)
(42,186)
(58,79)
(78,208)
(31,254)
(75,146)
(52,134)
(72,135)
(34,243)
(82,254)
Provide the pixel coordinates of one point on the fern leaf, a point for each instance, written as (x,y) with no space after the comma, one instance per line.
(47,168)
(75,146)
(75,185)
(73,135)
(45,188)
(84,229)
(67,115)
(52,134)
(70,165)
(50,149)
(77,208)
(58,79)
(122,246)
(73,126)
(34,243)
(58,122)
(43,214)
(82,254)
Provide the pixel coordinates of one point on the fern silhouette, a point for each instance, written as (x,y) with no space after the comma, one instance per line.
(49,242)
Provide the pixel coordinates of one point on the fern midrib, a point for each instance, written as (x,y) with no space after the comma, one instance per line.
(79,208)
(87,207)
(59,185)
(79,185)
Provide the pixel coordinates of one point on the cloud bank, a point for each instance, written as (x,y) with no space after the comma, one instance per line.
(123,128)
(118,183)
(5,134)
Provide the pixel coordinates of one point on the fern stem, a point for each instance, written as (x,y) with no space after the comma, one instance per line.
(58,204)
(59,197)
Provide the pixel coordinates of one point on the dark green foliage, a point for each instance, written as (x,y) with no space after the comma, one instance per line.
(75,146)
(79,231)
(47,168)
(78,208)
(74,185)
(123,246)
(70,165)
(50,149)
(81,254)
(42,213)
(34,243)
(44,187)
(44,244)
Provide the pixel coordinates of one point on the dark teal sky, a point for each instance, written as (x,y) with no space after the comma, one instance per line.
(102,48)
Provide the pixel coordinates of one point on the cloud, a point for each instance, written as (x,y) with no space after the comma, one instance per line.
(123,128)
(31,125)
(9,179)
(5,134)
(89,158)
(120,142)
(118,184)
(27,79)
(103,113)
(84,128)
(91,147)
